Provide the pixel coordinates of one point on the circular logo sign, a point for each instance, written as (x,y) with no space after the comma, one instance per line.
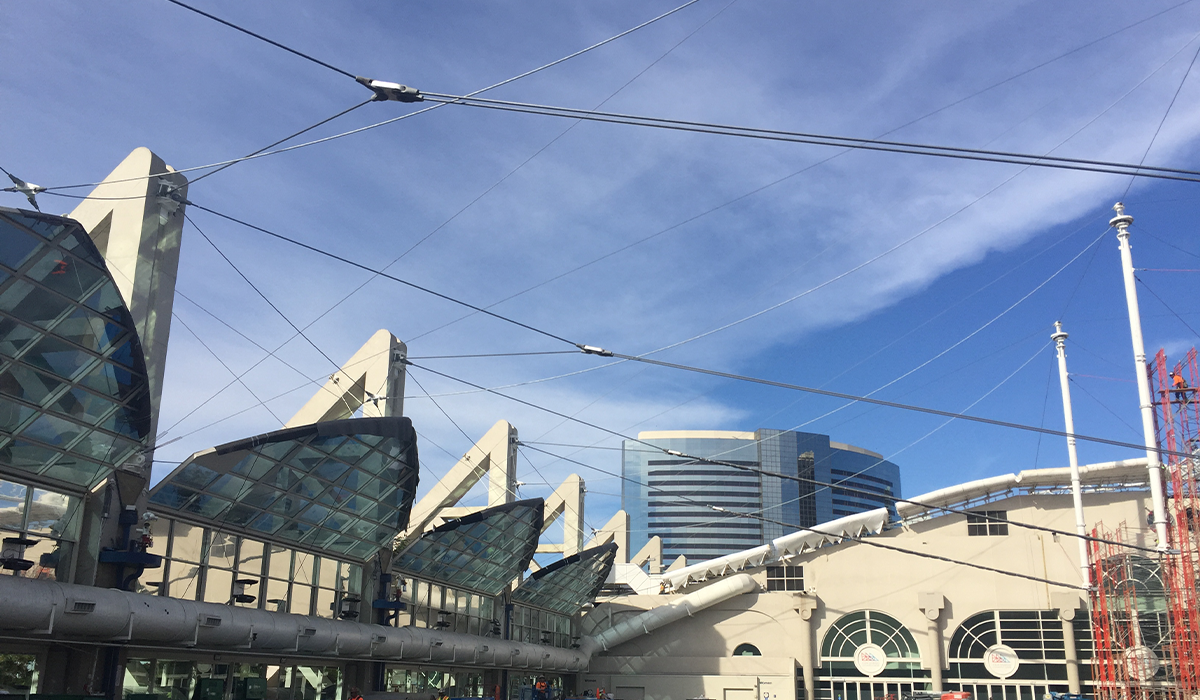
(1001,661)
(870,660)
(1141,663)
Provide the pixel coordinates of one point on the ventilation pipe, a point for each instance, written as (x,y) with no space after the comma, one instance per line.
(68,611)
(42,608)
(654,618)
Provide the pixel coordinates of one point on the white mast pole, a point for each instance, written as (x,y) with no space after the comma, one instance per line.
(1121,221)
(1060,340)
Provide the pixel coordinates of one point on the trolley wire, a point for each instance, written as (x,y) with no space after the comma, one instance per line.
(1164,117)
(845,536)
(702,460)
(588,349)
(908,148)
(260,37)
(597,45)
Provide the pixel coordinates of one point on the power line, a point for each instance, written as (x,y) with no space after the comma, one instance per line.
(381,273)
(701,459)
(385,122)
(635,358)
(282,140)
(841,486)
(856,538)
(880,402)
(494,354)
(260,37)
(1166,306)
(1164,117)
(259,292)
(955,152)
(1103,405)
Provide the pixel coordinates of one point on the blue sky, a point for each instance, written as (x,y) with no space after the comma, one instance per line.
(89,82)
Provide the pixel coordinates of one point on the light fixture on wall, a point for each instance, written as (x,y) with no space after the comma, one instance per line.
(239,590)
(443,619)
(12,556)
(348,607)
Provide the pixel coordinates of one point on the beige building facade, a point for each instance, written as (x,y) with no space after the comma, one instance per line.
(861,621)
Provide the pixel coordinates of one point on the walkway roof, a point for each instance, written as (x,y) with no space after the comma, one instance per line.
(568,584)
(74,398)
(483,552)
(341,488)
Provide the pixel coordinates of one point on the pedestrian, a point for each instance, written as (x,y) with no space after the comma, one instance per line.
(355,694)
(1180,386)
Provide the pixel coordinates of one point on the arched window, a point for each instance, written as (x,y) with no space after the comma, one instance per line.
(870,643)
(1133,579)
(746,650)
(1022,644)
(868,627)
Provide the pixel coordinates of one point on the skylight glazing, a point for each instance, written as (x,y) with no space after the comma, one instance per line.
(339,487)
(74,399)
(567,585)
(482,552)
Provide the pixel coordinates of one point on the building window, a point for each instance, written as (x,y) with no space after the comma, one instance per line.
(746,650)
(785,578)
(987,522)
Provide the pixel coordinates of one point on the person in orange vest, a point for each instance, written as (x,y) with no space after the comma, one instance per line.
(540,689)
(1180,385)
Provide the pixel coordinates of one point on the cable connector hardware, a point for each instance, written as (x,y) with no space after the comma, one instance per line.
(391,92)
(593,350)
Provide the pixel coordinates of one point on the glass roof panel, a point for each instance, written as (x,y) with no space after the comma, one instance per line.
(277,486)
(62,328)
(567,585)
(446,553)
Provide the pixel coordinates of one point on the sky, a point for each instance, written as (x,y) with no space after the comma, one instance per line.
(635,239)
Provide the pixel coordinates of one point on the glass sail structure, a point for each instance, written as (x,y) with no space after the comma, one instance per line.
(74,399)
(567,585)
(338,488)
(481,552)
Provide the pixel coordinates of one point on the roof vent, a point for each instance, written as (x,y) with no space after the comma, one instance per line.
(308,632)
(81,606)
(210,620)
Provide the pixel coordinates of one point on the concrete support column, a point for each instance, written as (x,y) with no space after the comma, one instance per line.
(1068,605)
(932,605)
(805,605)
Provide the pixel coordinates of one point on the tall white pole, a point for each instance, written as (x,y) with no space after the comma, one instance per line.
(1060,340)
(1121,221)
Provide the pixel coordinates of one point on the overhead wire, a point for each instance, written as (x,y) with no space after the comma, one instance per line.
(693,459)
(703,460)
(855,538)
(260,37)
(597,45)
(970,204)
(494,354)
(1164,117)
(385,122)
(1167,306)
(907,148)
(606,353)
(224,364)
(881,402)
(259,292)
(970,335)
(819,163)
(1093,397)
(527,160)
